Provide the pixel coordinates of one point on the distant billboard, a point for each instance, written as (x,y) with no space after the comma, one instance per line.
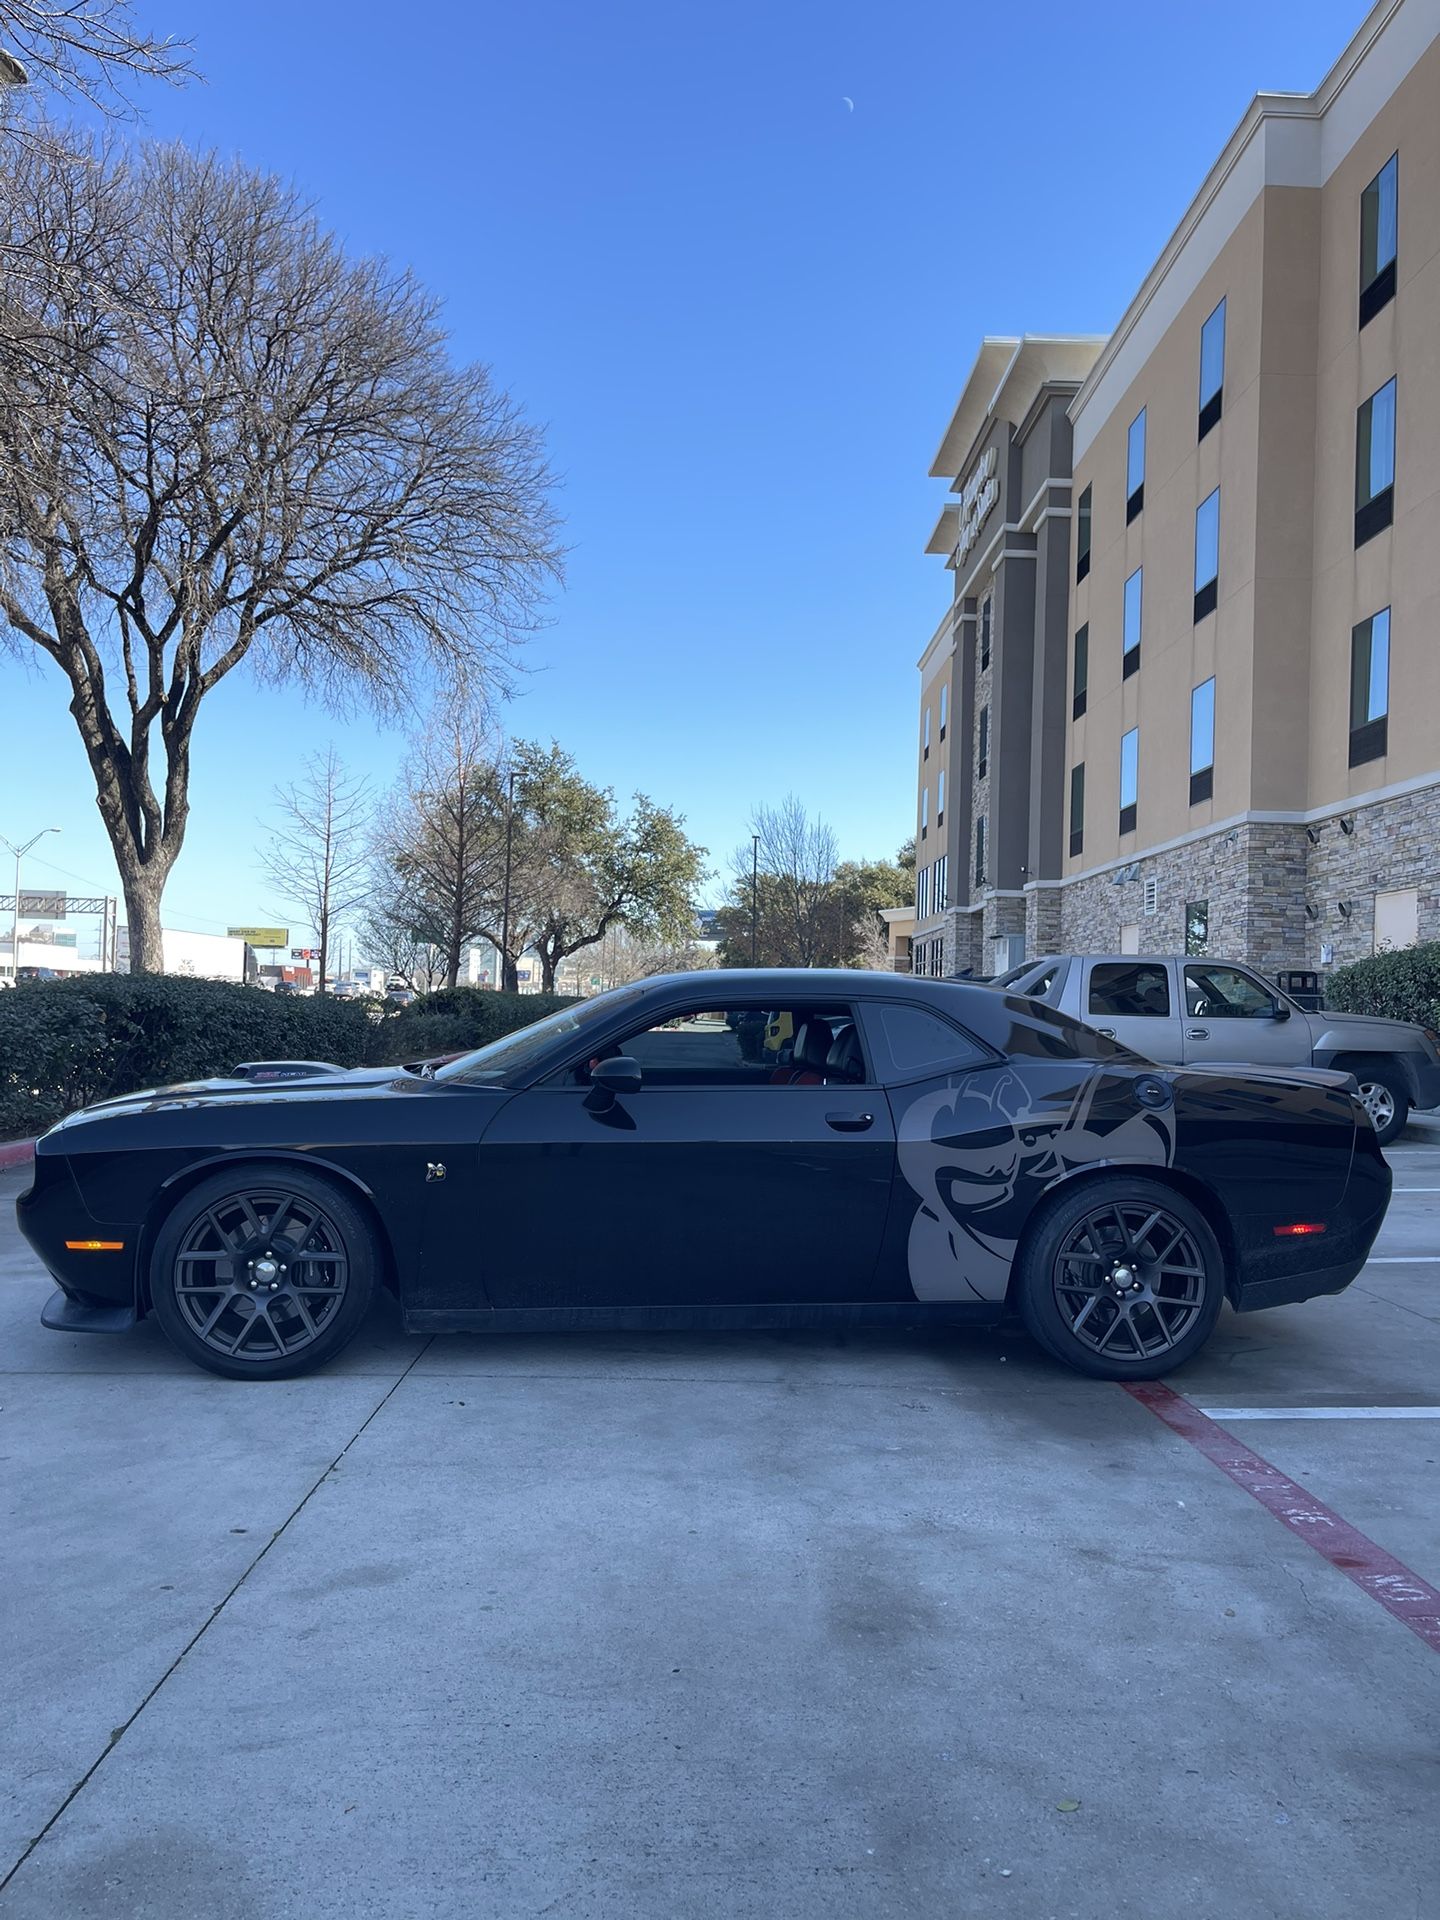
(43,906)
(262,936)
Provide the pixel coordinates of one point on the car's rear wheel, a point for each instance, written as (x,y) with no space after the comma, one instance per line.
(1385,1098)
(1122,1280)
(263,1273)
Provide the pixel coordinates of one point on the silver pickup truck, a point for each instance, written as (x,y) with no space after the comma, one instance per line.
(1202,1012)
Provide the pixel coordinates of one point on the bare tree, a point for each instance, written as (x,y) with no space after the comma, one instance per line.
(440,856)
(91,50)
(318,859)
(221,442)
(799,919)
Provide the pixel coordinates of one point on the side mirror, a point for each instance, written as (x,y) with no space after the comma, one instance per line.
(610,1077)
(1280,1011)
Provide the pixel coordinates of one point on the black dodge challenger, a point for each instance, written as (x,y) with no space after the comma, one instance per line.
(761,1149)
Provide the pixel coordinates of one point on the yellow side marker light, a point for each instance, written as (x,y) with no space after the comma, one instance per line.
(95,1246)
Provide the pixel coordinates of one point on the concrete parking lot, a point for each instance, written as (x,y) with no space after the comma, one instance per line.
(782,1625)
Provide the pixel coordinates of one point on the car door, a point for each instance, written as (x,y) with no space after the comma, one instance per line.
(1133,1001)
(1235,1017)
(734,1176)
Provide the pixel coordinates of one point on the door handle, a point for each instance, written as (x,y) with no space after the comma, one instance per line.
(1197,1033)
(849,1122)
(1106,1033)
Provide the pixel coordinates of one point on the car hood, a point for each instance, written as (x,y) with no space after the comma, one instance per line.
(1367,1028)
(364,1081)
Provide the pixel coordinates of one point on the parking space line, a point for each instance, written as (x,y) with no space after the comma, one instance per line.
(1225,1414)
(1403,1260)
(1403,1594)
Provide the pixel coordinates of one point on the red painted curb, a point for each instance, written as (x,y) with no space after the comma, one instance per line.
(14,1153)
(1403,1594)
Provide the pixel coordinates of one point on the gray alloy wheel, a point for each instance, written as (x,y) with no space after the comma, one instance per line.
(263,1273)
(1387,1106)
(1123,1279)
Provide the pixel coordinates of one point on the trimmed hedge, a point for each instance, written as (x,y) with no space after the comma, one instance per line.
(67,1043)
(1403,984)
(455,1018)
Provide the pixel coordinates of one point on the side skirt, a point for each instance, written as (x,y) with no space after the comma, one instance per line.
(886,1313)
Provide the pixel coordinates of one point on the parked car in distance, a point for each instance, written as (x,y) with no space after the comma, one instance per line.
(399,996)
(929,1154)
(1184,1010)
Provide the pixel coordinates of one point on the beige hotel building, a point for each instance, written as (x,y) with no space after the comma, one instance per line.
(1187,693)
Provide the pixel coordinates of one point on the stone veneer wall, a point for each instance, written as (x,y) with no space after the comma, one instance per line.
(1273,891)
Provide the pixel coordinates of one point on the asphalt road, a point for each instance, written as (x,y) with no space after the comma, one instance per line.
(782,1626)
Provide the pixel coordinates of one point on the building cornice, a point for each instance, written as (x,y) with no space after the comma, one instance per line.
(1303,161)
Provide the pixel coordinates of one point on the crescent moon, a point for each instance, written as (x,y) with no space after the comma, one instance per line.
(847,102)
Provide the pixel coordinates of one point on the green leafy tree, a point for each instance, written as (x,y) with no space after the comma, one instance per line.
(578,867)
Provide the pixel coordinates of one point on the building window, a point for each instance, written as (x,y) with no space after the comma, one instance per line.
(1129,779)
(980,851)
(925,735)
(1197,929)
(1133,593)
(1082,536)
(1207,555)
(924,811)
(1379,223)
(1135,467)
(942,882)
(1212,370)
(1375,464)
(944,708)
(1370,688)
(1202,741)
(986,609)
(1077,808)
(1082,670)
(940,798)
(982,757)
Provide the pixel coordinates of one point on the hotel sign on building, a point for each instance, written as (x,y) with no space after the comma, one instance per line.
(1186,690)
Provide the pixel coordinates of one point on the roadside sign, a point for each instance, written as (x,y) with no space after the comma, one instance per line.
(302,953)
(43,906)
(594,979)
(261,936)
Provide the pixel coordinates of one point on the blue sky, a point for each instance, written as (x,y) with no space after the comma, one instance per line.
(743,313)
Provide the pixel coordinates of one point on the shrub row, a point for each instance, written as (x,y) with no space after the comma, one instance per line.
(454,1018)
(1402,985)
(67,1043)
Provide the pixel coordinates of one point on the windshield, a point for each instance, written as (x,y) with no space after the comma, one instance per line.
(509,1058)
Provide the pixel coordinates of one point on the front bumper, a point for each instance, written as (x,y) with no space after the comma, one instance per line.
(63,1313)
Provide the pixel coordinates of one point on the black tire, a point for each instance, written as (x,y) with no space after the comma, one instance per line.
(1136,1328)
(254,1234)
(1384,1095)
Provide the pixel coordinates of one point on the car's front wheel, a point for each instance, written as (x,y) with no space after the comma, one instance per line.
(1122,1280)
(263,1273)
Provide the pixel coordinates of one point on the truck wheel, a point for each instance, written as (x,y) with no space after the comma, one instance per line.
(1384,1096)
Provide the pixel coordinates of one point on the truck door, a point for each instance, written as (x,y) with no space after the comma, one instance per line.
(1134,1002)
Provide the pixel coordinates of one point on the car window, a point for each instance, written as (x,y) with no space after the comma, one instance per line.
(912,1040)
(750,1046)
(1129,989)
(512,1057)
(1041,984)
(1219,993)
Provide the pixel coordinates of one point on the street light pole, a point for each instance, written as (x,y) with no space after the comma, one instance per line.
(509,848)
(754,892)
(15,903)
